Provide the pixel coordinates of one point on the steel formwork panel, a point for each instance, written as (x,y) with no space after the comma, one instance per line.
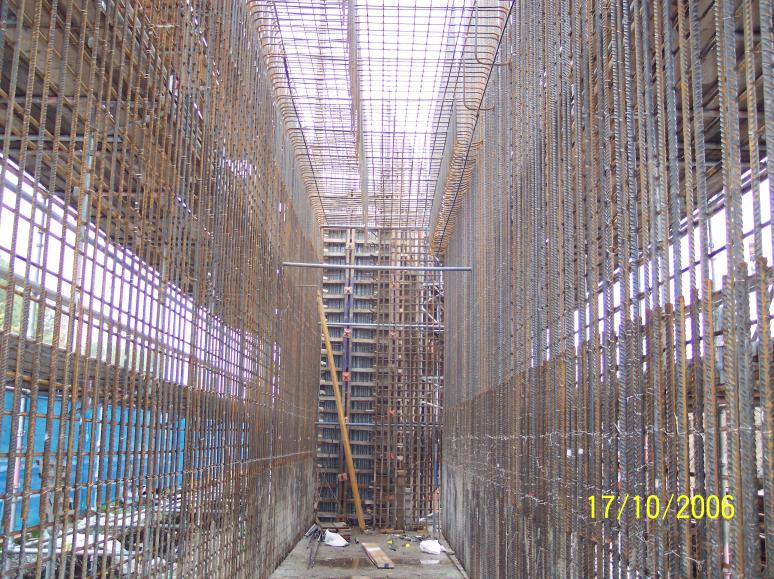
(365,394)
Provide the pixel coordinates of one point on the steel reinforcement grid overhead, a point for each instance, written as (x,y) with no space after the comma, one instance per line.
(614,338)
(384,93)
(158,363)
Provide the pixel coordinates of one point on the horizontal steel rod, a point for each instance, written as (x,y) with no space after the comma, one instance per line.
(375,267)
(372,325)
(374,227)
(372,425)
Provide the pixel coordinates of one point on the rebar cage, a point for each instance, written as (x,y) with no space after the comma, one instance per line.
(601,165)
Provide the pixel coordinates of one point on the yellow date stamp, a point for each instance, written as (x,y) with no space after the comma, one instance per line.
(654,507)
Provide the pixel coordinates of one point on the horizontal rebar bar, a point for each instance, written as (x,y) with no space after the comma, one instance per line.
(377,325)
(376,267)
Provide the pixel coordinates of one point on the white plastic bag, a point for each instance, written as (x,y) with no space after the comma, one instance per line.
(431,547)
(334,539)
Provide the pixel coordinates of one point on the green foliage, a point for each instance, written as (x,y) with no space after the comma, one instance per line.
(17,309)
(17,302)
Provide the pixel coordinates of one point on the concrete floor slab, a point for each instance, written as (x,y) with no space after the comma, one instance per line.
(351,561)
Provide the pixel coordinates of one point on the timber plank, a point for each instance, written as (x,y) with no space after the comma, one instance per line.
(377,556)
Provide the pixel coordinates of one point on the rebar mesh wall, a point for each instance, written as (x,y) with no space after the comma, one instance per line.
(408,382)
(156,417)
(614,338)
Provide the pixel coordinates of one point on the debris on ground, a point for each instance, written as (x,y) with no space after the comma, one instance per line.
(334,539)
(431,547)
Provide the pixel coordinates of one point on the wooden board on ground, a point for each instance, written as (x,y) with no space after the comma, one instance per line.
(377,556)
